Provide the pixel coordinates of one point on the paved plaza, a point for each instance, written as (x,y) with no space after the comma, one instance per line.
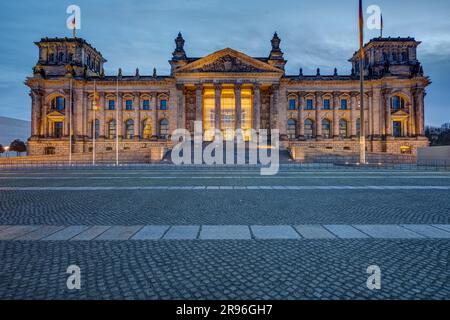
(167,232)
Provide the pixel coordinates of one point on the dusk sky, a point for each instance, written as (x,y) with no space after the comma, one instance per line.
(133,33)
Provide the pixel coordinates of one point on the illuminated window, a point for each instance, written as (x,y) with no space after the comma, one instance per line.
(227,113)
(292,129)
(147,129)
(405,150)
(309,128)
(95,127)
(326,128)
(112,129)
(164,128)
(246,115)
(209,114)
(129,129)
(343,128)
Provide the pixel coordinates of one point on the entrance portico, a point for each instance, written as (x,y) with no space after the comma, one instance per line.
(223,90)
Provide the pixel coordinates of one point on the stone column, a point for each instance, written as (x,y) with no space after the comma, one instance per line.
(300,122)
(218,93)
(335,115)
(274,107)
(43,120)
(420,116)
(387,112)
(154,113)
(377,113)
(282,111)
(101,115)
(370,113)
(181,114)
(318,120)
(199,102)
(84,117)
(78,113)
(119,124)
(237,95)
(256,107)
(137,115)
(67,116)
(353,114)
(36,106)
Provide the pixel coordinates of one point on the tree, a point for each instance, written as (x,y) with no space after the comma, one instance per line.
(18,146)
(2,150)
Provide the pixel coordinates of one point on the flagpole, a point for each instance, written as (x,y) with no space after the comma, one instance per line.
(382,26)
(117,122)
(94,123)
(362,132)
(70,123)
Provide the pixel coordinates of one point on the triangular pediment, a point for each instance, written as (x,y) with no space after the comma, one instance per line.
(55,115)
(228,60)
(400,113)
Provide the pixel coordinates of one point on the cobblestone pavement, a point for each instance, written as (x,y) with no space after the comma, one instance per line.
(117,204)
(278,269)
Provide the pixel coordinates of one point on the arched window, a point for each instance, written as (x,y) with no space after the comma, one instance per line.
(146,129)
(61,57)
(51,57)
(112,129)
(397,103)
(95,128)
(129,129)
(344,104)
(326,128)
(343,128)
(58,103)
(292,129)
(58,129)
(164,128)
(326,104)
(309,129)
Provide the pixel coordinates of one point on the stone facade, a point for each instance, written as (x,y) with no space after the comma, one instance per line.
(227,90)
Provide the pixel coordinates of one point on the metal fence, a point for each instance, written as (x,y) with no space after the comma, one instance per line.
(342,165)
